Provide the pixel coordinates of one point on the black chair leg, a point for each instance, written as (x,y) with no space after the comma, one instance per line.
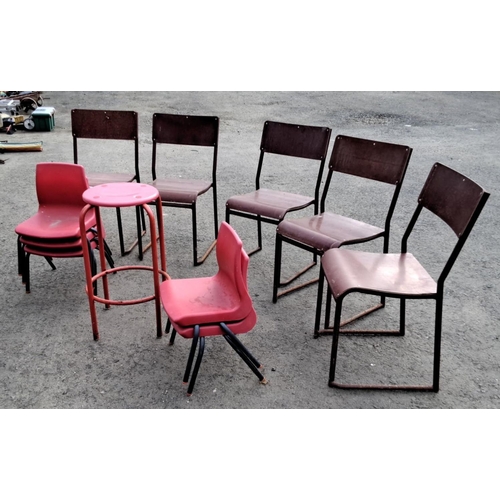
(141,231)
(319,302)
(51,263)
(172,337)
(201,350)
(238,346)
(138,214)
(259,238)
(120,231)
(26,275)
(437,343)
(20,256)
(243,352)
(194,343)
(335,343)
(277,266)
(201,260)
(277,283)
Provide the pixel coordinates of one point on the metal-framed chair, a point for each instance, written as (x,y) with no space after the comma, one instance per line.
(182,192)
(272,205)
(380,162)
(458,202)
(117,126)
(215,305)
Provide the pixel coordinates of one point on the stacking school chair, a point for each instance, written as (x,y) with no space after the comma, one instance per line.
(181,192)
(58,249)
(376,161)
(54,231)
(117,126)
(216,305)
(271,205)
(454,199)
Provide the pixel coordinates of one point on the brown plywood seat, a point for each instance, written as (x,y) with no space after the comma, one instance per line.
(458,202)
(270,205)
(180,190)
(328,230)
(393,275)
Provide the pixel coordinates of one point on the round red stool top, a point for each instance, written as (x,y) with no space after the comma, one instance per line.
(120,194)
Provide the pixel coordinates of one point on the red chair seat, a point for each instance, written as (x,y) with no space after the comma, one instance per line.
(236,327)
(55,222)
(199,301)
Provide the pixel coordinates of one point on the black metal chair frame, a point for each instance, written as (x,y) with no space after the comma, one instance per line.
(295,148)
(191,136)
(384,233)
(108,125)
(462,229)
(199,342)
(24,259)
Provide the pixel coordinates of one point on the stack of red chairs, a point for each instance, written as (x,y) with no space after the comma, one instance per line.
(54,231)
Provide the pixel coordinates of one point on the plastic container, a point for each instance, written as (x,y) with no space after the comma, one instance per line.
(44,119)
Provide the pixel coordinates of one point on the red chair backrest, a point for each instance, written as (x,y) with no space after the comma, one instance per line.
(233,262)
(60,184)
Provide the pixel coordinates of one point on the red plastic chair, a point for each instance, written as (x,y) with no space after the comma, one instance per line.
(458,202)
(216,305)
(54,231)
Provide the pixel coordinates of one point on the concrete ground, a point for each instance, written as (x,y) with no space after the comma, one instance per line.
(48,358)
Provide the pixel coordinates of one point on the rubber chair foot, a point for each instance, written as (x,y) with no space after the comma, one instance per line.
(264,381)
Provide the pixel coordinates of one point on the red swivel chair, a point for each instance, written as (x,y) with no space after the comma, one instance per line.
(54,231)
(216,305)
